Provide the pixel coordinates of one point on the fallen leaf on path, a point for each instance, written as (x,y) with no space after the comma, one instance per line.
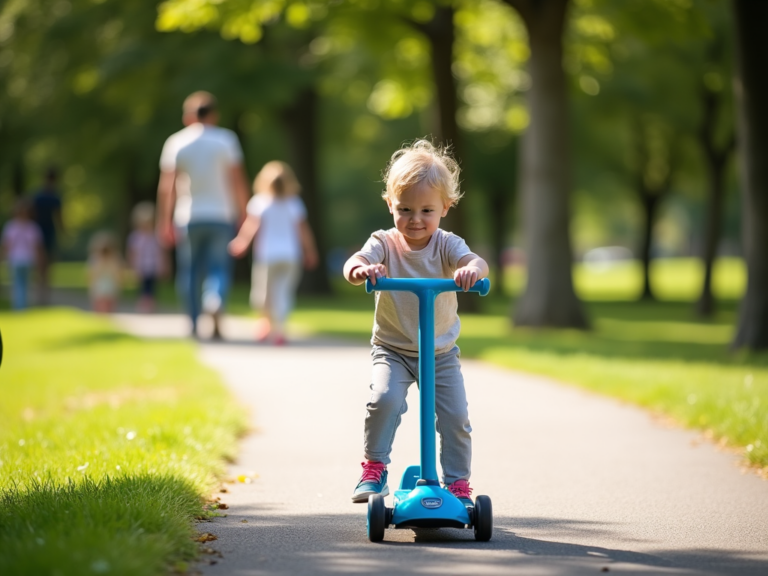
(222,506)
(206,537)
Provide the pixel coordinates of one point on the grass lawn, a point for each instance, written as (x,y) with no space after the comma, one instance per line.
(655,354)
(108,445)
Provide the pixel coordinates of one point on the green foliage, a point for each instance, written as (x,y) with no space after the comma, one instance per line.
(106,447)
(96,87)
(640,71)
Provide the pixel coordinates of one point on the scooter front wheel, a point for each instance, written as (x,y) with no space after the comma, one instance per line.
(377,517)
(483,519)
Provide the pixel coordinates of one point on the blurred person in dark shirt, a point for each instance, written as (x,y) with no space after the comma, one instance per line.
(46,206)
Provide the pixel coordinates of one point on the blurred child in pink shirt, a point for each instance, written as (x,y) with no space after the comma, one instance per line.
(22,244)
(145,255)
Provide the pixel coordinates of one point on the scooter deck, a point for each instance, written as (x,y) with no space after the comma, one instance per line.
(427,506)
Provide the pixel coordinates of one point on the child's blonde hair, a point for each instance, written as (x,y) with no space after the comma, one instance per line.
(103,244)
(276,178)
(420,162)
(143,213)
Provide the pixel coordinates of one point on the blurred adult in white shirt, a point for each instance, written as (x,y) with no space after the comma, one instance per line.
(201,199)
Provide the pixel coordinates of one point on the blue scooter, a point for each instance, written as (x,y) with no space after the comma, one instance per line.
(420,501)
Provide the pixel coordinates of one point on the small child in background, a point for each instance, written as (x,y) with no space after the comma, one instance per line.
(104,272)
(277,219)
(22,244)
(145,254)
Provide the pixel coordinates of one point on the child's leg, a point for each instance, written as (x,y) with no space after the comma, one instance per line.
(452,418)
(391,378)
(283,288)
(259,278)
(20,286)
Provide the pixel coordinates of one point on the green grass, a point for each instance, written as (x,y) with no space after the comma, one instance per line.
(654,354)
(107,447)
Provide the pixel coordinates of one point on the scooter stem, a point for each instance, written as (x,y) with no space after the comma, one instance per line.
(426,289)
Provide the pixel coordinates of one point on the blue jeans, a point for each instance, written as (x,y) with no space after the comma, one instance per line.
(202,259)
(19,285)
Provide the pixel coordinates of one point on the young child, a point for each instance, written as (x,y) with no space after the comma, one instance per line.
(422,185)
(22,245)
(277,219)
(104,272)
(145,255)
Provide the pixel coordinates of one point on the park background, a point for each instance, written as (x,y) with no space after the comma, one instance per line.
(627,145)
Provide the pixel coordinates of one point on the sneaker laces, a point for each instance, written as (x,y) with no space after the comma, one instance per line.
(372,471)
(460,489)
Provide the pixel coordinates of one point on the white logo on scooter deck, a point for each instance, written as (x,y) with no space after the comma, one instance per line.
(431,502)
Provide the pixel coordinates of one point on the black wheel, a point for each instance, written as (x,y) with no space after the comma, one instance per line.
(483,519)
(377,518)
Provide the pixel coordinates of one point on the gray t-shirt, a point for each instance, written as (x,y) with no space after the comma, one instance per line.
(396,320)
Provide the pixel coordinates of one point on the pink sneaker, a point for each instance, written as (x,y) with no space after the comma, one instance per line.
(373,481)
(462,491)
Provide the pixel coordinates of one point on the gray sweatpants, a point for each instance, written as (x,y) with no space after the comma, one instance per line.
(393,374)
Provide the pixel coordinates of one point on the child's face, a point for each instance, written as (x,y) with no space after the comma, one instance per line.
(417,214)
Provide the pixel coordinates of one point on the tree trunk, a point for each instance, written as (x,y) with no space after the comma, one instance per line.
(650,208)
(549,298)
(300,121)
(441,35)
(18,182)
(705,306)
(751,91)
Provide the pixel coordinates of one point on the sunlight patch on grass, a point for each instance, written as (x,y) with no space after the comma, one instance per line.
(671,279)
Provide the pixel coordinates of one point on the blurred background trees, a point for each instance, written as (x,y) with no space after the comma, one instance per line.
(579,124)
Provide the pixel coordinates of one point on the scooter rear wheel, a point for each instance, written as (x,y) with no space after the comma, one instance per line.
(483,519)
(377,517)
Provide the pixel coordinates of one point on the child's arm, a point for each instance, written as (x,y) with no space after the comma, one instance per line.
(357,269)
(239,246)
(308,247)
(471,269)
(239,184)
(166,200)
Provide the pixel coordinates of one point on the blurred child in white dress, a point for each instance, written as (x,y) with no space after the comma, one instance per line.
(104,272)
(277,222)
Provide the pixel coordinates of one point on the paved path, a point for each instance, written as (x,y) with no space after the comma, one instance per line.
(579,483)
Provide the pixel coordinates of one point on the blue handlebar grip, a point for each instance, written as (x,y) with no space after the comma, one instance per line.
(437,285)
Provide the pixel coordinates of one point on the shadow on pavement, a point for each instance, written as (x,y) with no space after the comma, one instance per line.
(274,544)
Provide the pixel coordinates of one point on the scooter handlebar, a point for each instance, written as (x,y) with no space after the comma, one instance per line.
(437,285)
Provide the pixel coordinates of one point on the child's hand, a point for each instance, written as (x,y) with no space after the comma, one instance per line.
(310,260)
(466,276)
(372,271)
(238,247)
